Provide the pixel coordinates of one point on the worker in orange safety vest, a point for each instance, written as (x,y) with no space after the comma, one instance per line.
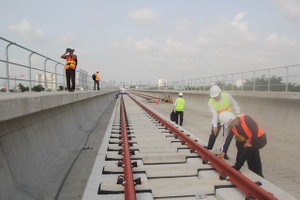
(250,138)
(71,64)
(97,79)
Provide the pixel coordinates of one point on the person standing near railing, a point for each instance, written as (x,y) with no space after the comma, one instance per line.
(71,64)
(96,78)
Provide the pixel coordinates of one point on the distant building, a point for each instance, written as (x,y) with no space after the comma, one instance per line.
(113,83)
(162,82)
(83,79)
(50,81)
(239,82)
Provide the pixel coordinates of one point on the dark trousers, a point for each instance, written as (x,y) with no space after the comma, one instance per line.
(96,83)
(213,137)
(250,154)
(179,114)
(70,76)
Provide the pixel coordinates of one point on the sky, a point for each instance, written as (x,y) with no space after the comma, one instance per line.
(141,41)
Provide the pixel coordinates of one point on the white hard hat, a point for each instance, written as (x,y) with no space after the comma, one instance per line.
(226,117)
(72,48)
(180,94)
(215,91)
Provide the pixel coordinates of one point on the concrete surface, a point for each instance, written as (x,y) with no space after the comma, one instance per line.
(40,141)
(175,175)
(277,113)
(41,136)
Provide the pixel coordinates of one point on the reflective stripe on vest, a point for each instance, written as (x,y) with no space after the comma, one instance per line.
(70,62)
(180,104)
(246,130)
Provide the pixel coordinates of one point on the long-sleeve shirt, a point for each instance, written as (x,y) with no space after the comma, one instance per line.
(233,104)
(253,127)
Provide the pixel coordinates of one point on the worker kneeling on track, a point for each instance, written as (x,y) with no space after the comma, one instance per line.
(249,139)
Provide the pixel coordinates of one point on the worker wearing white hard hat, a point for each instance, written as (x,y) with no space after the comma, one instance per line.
(179,108)
(250,137)
(215,91)
(226,118)
(219,102)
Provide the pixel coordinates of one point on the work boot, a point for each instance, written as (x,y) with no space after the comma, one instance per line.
(207,148)
(226,157)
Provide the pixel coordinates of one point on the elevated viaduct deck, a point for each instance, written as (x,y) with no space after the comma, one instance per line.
(42,135)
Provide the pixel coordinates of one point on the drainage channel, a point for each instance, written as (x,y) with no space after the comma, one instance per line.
(165,162)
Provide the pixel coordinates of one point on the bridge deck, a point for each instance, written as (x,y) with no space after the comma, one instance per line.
(44,114)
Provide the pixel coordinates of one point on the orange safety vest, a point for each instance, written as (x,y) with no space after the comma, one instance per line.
(246,130)
(70,62)
(97,77)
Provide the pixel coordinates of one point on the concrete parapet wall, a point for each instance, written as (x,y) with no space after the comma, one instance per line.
(40,142)
(273,110)
(278,115)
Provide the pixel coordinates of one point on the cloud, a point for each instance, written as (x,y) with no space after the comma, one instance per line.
(280,41)
(202,40)
(184,24)
(25,29)
(144,15)
(290,7)
(228,35)
(67,39)
(145,45)
(175,46)
(241,25)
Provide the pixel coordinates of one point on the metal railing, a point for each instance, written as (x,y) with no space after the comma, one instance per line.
(39,70)
(285,78)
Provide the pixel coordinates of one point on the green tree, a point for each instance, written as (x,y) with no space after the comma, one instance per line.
(261,84)
(38,88)
(23,88)
(61,88)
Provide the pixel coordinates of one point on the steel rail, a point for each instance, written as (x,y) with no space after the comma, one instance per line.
(145,96)
(251,189)
(129,189)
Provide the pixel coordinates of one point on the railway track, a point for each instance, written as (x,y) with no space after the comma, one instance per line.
(145,156)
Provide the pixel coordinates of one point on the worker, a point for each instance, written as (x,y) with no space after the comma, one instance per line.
(71,64)
(249,139)
(219,102)
(179,108)
(96,78)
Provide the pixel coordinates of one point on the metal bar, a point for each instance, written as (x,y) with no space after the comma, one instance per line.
(287,79)
(29,66)
(29,70)
(269,78)
(242,182)
(7,66)
(129,190)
